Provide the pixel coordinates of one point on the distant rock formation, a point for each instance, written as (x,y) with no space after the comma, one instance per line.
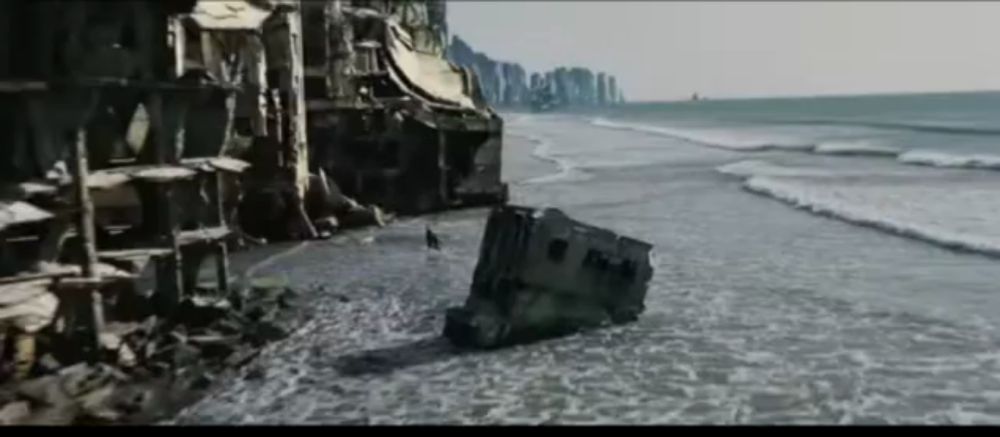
(502,83)
(507,84)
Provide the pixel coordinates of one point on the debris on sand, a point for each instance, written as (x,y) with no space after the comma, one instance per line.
(542,274)
(151,366)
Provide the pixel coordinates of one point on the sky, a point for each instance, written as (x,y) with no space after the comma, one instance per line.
(666,50)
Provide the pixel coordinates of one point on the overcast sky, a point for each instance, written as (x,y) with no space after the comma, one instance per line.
(667,50)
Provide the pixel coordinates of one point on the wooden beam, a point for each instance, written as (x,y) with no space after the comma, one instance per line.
(85,208)
(91,306)
(442,165)
(221,249)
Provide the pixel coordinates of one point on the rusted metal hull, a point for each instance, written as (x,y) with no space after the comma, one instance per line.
(541,274)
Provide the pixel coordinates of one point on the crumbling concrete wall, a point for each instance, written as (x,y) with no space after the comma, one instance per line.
(403,129)
(255,47)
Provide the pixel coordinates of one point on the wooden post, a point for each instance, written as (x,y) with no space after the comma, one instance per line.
(92,307)
(85,208)
(294,89)
(221,251)
(176,34)
(169,275)
(442,162)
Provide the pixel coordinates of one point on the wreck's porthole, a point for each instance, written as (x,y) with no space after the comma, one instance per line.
(557,249)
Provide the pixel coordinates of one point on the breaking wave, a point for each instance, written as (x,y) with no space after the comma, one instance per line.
(947,214)
(738,141)
(945,160)
(926,128)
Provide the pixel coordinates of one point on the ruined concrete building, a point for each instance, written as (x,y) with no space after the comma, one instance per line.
(390,120)
(150,132)
(105,135)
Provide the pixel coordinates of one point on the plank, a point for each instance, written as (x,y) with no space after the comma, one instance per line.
(205,235)
(214,163)
(26,190)
(57,271)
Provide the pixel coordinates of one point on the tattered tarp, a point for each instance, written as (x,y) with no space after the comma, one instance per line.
(433,77)
(228,15)
(12,213)
(29,306)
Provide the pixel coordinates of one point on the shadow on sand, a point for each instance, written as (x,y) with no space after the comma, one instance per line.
(390,359)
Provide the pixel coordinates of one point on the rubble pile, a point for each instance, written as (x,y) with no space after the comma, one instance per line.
(149,366)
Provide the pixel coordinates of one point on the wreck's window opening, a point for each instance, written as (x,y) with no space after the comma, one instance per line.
(596,259)
(557,249)
(628,269)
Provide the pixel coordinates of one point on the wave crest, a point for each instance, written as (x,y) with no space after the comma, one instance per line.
(719,139)
(945,160)
(947,213)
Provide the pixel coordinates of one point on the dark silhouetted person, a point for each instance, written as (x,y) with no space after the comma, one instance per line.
(432,239)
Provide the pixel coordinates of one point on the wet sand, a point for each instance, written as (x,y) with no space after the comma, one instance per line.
(757,313)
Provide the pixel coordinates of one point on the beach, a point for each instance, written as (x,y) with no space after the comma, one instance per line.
(792,285)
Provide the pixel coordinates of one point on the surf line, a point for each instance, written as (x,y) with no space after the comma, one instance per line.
(251,271)
(542,152)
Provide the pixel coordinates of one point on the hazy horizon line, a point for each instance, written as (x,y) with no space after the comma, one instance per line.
(816,95)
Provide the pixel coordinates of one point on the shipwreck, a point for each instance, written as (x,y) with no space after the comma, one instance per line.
(542,274)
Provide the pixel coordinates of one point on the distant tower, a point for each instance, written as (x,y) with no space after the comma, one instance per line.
(612,90)
(602,89)
(550,82)
(563,91)
(536,81)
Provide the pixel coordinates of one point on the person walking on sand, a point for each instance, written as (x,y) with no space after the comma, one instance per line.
(432,239)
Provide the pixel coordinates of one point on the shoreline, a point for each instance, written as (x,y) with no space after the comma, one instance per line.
(520,165)
(160,397)
(716,291)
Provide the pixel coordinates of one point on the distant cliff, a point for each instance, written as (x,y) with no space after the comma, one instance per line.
(506,84)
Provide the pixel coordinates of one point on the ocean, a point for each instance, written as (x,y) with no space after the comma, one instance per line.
(818,260)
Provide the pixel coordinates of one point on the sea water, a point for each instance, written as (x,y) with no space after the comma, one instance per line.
(825,260)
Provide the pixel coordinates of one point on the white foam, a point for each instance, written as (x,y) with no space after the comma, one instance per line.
(749,139)
(955,215)
(946,160)
(757,167)
(543,151)
(726,139)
